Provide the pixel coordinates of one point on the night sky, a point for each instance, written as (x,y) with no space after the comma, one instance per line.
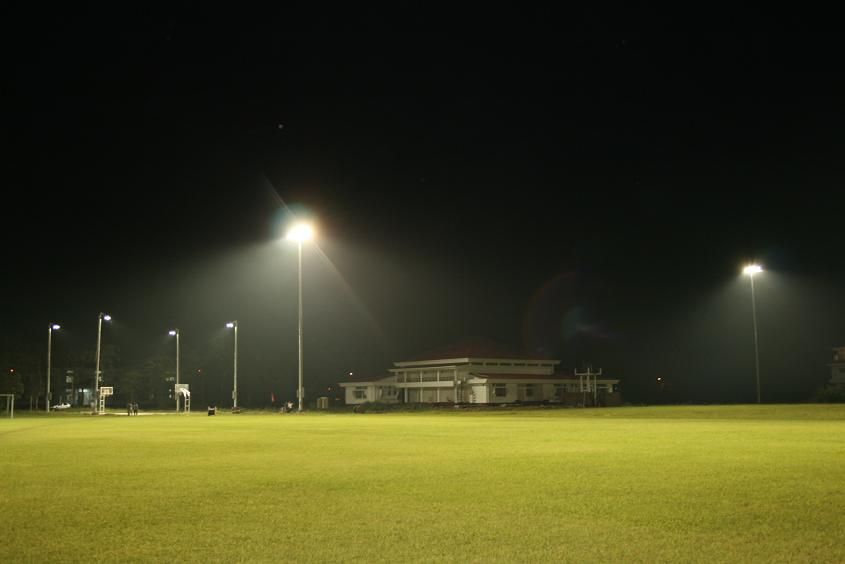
(589,197)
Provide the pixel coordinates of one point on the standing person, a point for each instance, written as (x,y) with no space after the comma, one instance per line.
(128,409)
(135,408)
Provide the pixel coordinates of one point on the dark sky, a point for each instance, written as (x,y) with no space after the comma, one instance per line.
(586,196)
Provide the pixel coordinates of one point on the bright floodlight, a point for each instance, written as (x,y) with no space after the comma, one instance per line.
(230,325)
(56,326)
(752,269)
(171,332)
(300,232)
(107,317)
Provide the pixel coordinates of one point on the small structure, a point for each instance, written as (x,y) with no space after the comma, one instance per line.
(453,376)
(10,404)
(183,391)
(105,391)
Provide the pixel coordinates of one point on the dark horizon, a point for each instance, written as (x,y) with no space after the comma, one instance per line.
(587,197)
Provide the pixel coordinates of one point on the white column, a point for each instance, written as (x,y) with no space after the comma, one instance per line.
(300,391)
(49,354)
(97,367)
(235,391)
(177,371)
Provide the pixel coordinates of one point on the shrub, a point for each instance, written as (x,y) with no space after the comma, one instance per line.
(830,394)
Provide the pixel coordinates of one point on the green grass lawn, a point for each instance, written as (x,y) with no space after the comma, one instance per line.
(659,484)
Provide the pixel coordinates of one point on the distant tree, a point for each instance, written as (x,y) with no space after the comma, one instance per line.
(158,375)
(132,384)
(25,360)
(109,361)
(11,382)
(830,394)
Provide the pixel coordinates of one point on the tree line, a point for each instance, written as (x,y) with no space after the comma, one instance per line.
(149,381)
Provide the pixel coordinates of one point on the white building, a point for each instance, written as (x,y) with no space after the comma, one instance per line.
(450,378)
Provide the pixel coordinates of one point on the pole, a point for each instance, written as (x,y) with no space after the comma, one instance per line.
(756,353)
(49,354)
(235,392)
(176,387)
(97,369)
(299,392)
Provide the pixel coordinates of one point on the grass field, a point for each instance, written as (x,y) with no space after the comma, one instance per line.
(660,484)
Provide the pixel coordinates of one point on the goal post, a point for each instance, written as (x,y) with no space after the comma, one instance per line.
(9,402)
(183,391)
(105,391)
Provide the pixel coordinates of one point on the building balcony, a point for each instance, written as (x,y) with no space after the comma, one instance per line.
(440,384)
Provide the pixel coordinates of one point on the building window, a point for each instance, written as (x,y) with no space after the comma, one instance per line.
(559,389)
(500,390)
(529,390)
(359,393)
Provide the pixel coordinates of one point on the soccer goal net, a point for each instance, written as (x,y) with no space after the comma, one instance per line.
(8,402)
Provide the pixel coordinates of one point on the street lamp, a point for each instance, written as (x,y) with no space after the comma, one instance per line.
(175,333)
(102,317)
(51,327)
(750,270)
(234,325)
(300,232)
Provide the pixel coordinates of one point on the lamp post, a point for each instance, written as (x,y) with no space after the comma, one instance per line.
(51,327)
(175,333)
(234,325)
(102,317)
(750,271)
(300,233)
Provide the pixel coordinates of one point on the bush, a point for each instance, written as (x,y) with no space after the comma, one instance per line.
(370,407)
(830,394)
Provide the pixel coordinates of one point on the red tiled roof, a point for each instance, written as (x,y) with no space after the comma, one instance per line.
(526,376)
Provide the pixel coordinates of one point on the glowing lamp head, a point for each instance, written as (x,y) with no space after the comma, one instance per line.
(55,327)
(171,332)
(107,317)
(230,324)
(752,269)
(300,233)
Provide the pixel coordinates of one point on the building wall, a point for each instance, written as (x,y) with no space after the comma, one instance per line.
(350,394)
(434,382)
(478,393)
(509,397)
(485,393)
